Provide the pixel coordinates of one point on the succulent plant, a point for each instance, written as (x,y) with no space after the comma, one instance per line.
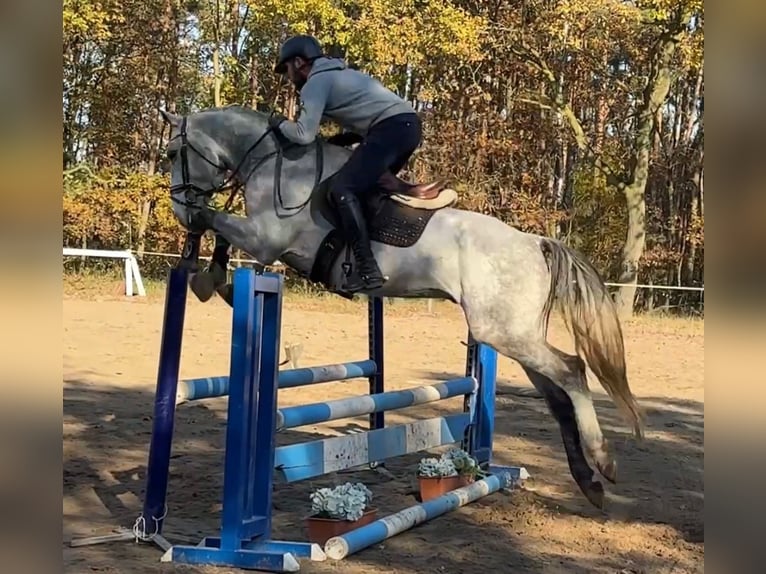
(433,467)
(452,463)
(344,502)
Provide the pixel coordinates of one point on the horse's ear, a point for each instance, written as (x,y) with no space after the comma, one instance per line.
(171,118)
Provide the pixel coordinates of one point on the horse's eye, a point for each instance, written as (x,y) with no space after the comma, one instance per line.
(172,153)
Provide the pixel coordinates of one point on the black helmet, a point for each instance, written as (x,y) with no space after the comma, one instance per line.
(307,47)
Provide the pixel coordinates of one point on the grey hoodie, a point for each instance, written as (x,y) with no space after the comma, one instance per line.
(334,91)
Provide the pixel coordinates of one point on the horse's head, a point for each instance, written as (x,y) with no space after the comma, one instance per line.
(200,166)
(209,153)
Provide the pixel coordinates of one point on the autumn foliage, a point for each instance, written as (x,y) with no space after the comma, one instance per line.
(541,113)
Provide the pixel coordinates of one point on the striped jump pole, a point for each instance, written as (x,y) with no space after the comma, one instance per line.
(291,417)
(210,387)
(339,547)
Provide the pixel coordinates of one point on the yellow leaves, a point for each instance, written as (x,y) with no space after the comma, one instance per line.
(105,206)
(455,32)
(592,22)
(665,10)
(320,17)
(380,34)
(88,19)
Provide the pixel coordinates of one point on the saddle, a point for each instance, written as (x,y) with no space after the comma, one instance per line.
(393,185)
(396,211)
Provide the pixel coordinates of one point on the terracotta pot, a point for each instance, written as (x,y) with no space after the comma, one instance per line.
(435,486)
(322,529)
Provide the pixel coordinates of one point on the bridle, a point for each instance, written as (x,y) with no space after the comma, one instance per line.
(192,191)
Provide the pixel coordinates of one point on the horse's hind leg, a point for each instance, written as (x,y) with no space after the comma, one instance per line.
(561,407)
(568,372)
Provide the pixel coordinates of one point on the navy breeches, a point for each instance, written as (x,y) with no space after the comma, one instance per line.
(387,147)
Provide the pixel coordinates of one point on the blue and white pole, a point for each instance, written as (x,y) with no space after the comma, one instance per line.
(339,547)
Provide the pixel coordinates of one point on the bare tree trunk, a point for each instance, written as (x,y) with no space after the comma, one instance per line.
(655,93)
(217,57)
(253,87)
(695,210)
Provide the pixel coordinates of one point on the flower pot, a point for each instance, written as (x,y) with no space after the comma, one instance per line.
(435,486)
(322,529)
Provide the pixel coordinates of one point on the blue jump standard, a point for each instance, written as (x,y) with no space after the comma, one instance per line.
(252,459)
(245,539)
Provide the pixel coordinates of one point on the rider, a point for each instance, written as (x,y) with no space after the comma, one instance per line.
(386,126)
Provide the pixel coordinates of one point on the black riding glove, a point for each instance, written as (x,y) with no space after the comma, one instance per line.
(275,120)
(345,139)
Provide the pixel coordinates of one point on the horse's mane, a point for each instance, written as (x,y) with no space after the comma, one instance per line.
(232,115)
(249,115)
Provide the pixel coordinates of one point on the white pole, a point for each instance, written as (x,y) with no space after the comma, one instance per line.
(128,278)
(137,276)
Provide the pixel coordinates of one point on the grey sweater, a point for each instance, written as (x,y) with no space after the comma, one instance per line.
(352,99)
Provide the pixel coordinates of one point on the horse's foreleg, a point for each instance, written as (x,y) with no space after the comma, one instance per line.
(213,279)
(190,252)
(243,233)
(230,230)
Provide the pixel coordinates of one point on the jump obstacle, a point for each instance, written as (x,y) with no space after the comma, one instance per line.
(252,459)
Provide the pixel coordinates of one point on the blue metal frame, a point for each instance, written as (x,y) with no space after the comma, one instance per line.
(158,465)
(245,539)
(252,457)
(376,339)
(481,363)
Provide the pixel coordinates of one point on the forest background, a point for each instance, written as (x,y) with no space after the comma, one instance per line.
(577,119)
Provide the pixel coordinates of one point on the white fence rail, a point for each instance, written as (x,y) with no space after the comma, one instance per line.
(132,272)
(278,264)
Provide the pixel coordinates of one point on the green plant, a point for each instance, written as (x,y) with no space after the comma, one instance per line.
(344,502)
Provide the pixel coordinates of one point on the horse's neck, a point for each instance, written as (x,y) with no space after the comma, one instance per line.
(236,131)
(290,233)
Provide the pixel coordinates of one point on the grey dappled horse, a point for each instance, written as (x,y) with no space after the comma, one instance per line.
(506,281)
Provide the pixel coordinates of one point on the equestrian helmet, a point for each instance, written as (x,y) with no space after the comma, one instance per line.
(307,47)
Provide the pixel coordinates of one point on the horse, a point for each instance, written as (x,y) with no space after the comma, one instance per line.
(507,282)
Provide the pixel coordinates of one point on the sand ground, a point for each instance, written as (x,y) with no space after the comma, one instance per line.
(653,522)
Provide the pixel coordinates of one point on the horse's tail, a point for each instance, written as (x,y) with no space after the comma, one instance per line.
(591,317)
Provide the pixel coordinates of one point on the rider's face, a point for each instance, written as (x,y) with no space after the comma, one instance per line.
(295,72)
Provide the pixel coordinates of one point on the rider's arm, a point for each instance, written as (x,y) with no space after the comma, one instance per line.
(313,98)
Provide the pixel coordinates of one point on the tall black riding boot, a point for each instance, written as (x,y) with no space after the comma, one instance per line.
(355,232)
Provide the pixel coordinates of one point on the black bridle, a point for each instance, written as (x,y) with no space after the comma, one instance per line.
(232,182)
(192,192)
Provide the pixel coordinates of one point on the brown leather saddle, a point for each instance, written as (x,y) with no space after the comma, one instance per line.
(393,185)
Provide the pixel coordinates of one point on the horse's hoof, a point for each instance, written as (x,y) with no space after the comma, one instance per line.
(226,293)
(594,492)
(608,470)
(203,285)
